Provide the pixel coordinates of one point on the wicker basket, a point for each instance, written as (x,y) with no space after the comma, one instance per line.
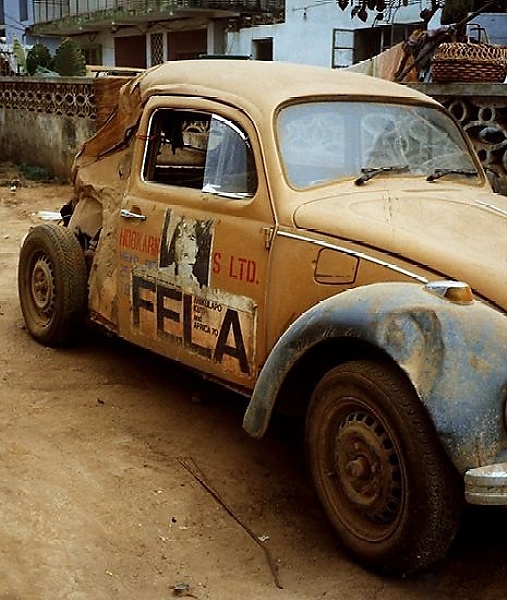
(468,62)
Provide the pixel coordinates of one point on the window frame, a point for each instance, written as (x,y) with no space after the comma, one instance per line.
(154,142)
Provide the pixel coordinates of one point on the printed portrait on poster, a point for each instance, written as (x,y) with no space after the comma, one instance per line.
(185,252)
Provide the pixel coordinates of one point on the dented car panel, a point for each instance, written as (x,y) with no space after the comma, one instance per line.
(316,240)
(454,354)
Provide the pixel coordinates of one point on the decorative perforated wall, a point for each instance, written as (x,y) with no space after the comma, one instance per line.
(485,121)
(57,98)
(481,109)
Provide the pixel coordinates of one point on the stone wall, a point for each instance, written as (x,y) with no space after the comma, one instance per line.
(44,121)
(481,109)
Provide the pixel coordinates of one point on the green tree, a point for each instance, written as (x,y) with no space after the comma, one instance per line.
(69,59)
(38,56)
(19,55)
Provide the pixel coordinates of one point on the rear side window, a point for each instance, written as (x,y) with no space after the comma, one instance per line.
(199,150)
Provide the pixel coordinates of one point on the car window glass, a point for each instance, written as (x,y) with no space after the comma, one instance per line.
(325,141)
(200,151)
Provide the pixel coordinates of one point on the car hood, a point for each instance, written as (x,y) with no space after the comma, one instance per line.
(453,232)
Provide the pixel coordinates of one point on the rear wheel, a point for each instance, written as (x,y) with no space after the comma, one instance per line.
(52,285)
(385,483)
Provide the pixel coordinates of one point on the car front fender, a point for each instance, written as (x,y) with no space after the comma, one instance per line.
(454,353)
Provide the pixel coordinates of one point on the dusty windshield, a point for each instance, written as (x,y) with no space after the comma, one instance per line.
(325,141)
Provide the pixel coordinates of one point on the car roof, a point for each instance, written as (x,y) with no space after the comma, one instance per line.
(256,87)
(265,84)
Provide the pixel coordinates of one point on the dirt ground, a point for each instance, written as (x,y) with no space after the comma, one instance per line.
(124,476)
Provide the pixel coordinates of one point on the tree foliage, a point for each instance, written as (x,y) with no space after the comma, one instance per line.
(19,55)
(38,56)
(452,10)
(456,10)
(69,59)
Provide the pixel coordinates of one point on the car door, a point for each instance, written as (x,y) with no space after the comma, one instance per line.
(193,239)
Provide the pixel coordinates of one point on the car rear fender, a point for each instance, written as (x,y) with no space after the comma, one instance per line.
(454,353)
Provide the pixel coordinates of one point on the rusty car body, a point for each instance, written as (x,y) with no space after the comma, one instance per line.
(318,240)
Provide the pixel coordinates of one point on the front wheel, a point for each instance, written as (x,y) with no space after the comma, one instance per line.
(385,483)
(52,285)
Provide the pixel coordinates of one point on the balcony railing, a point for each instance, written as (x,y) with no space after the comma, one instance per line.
(96,11)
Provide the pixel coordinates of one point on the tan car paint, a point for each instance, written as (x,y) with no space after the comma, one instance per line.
(265,264)
(417,220)
(336,300)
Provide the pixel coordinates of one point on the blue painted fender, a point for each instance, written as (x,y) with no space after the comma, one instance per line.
(454,354)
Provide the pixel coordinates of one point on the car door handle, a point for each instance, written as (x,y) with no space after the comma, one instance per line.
(127,214)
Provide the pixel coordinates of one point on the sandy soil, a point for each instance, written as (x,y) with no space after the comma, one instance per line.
(124,476)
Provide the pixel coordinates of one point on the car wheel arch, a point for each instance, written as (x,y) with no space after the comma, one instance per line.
(298,382)
(405,325)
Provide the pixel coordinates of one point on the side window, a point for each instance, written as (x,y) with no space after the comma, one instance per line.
(200,151)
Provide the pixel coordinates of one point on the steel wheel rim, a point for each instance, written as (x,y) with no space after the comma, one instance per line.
(42,288)
(364,475)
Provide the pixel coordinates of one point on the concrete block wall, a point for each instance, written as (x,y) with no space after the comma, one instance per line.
(44,121)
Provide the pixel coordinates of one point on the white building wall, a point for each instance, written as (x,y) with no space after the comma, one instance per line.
(307,34)
(14,28)
(495,25)
(107,43)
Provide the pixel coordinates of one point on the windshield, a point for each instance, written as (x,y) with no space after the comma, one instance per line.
(325,141)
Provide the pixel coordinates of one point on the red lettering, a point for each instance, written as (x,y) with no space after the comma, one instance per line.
(139,242)
(154,245)
(126,238)
(232,274)
(136,240)
(251,269)
(242,263)
(243,269)
(217,258)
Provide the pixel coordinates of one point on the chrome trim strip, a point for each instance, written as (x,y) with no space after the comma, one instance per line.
(494,208)
(360,255)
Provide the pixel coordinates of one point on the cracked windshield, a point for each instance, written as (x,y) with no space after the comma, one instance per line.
(325,141)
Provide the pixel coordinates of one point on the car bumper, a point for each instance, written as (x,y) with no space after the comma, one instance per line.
(487,485)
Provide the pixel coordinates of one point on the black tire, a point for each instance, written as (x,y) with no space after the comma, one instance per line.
(52,285)
(382,476)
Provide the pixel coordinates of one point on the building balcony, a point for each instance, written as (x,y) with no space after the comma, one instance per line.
(72,17)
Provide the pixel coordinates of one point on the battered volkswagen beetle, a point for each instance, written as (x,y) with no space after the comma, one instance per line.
(324,242)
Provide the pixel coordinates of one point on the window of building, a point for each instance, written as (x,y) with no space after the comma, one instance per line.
(130,51)
(371,41)
(2,17)
(92,54)
(23,10)
(262,49)
(202,151)
(189,44)
(49,10)
(343,48)
(157,48)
